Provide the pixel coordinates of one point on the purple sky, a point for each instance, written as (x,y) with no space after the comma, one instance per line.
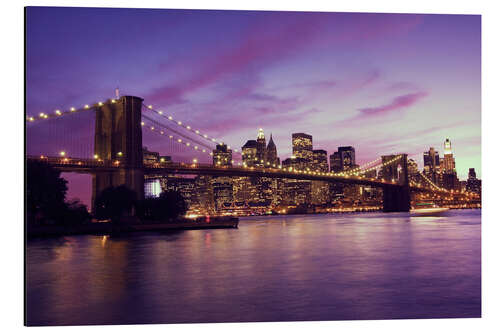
(382,83)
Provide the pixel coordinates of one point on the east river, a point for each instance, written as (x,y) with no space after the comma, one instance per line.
(277,268)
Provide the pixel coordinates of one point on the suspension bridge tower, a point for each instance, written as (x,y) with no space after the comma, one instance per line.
(396,198)
(118,139)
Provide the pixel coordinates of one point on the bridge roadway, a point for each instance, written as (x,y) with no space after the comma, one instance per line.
(80,165)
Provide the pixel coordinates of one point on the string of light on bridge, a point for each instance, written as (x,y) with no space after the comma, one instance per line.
(187,127)
(59,112)
(178,140)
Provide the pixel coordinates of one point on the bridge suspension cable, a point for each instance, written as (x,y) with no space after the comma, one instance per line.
(186,127)
(200,148)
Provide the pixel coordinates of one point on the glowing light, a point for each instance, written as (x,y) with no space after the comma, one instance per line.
(62,153)
(72,109)
(96,156)
(142,123)
(197,132)
(113,101)
(195,160)
(205,136)
(195,147)
(86,106)
(119,153)
(188,127)
(179,140)
(170,117)
(160,112)
(31,119)
(58,112)
(150,106)
(152,128)
(100,104)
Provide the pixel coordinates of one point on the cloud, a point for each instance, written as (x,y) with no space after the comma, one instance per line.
(397,103)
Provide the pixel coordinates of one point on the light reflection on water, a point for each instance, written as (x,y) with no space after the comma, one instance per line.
(307,267)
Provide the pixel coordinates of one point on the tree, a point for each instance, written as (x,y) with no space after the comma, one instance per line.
(45,191)
(115,202)
(169,205)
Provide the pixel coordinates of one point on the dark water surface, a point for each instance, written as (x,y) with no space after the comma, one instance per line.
(307,267)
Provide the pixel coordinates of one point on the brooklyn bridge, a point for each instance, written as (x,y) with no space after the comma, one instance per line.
(116,156)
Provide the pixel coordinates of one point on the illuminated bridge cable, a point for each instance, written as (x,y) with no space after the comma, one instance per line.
(166,128)
(186,127)
(179,140)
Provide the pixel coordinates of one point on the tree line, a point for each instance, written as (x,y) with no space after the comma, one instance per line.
(46,201)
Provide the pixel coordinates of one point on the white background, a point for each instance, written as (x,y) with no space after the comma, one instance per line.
(12,139)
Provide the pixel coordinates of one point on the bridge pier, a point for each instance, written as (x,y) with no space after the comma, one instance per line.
(118,139)
(396,198)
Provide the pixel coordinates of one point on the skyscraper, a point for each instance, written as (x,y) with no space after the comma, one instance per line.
(320,193)
(432,168)
(249,153)
(320,161)
(302,146)
(473,184)
(222,156)
(348,157)
(261,148)
(335,162)
(272,159)
(449,161)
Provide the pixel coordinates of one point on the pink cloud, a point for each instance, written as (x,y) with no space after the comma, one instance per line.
(399,102)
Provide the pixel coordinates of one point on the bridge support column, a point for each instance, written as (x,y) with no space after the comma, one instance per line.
(118,138)
(397,198)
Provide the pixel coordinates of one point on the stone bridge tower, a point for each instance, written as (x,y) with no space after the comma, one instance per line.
(118,137)
(396,198)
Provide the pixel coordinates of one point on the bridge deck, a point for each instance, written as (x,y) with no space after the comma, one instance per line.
(94,166)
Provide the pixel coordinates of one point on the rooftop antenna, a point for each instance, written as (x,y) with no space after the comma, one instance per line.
(117,93)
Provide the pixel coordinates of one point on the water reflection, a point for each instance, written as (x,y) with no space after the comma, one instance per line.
(317,267)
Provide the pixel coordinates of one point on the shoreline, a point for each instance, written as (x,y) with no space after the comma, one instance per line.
(98,228)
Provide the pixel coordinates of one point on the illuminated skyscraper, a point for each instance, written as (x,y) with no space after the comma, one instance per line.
(320,161)
(432,168)
(302,146)
(249,153)
(448,161)
(222,156)
(320,193)
(348,157)
(261,148)
(335,162)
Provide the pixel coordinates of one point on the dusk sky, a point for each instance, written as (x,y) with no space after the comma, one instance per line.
(383,83)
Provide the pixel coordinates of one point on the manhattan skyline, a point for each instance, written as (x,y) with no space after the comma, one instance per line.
(382,83)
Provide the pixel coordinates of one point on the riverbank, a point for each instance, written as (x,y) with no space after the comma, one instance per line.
(108,227)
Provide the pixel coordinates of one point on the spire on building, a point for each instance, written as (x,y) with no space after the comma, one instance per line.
(260,135)
(447,147)
(271,144)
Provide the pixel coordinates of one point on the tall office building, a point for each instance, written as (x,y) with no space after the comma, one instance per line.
(448,160)
(249,153)
(473,184)
(272,159)
(302,146)
(320,193)
(320,160)
(432,168)
(222,156)
(261,148)
(335,162)
(348,157)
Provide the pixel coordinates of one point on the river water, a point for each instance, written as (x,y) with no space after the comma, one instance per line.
(279,268)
